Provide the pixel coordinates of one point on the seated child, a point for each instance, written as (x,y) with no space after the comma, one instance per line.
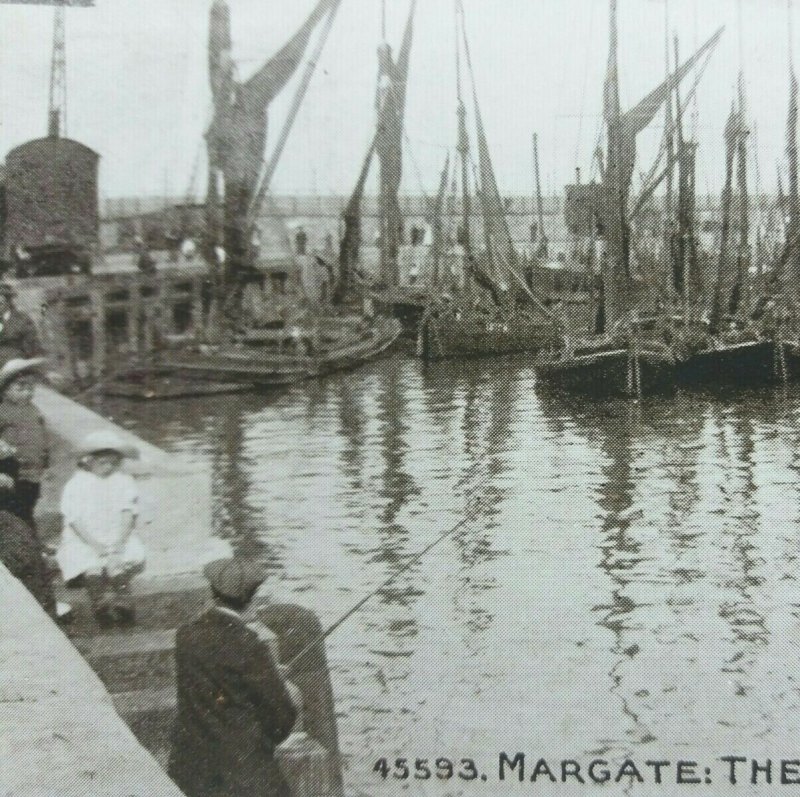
(100,507)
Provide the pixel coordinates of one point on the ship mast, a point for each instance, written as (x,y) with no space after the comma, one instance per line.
(463,146)
(541,249)
(793,228)
(670,153)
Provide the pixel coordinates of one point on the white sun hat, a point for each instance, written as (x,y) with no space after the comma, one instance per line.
(95,442)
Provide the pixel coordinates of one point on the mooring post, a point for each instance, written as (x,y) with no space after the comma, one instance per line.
(134,313)
(97,299)
(197,304)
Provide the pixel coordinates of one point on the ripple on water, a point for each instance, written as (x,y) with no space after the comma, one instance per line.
(628,578)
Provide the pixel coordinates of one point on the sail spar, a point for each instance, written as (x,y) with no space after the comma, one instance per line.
(237,135)
(351,240)
(391,101)
(623,127)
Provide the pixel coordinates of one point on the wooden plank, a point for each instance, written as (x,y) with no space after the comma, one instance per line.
(117,645)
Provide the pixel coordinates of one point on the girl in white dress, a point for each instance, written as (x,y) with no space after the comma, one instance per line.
(99,542)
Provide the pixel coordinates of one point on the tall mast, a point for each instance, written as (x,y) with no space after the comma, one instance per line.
(679,266)
(436,222)
(723,282)
(685,255)
(615,185)
(384,87)
(793,228)
(668,134)
(541,249)
(742,259)
(463,143)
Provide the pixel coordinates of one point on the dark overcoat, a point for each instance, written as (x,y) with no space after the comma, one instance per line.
(18,337)
(233,709)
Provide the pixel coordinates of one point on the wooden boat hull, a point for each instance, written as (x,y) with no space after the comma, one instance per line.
(752,362)
(608,373)
(441,339)
(789,368)
(264,368)
(407,305)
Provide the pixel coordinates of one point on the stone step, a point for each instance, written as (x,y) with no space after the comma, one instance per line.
(132,644)
(149,713)
(130,662)
(145,701)
(154,611)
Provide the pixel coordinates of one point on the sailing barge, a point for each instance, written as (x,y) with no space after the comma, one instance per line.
(495,311)
(628,356)
(247,339)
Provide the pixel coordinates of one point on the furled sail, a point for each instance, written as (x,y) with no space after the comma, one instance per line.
(392,79)
(351,239)
(623,127)
(503,256)
(237,135)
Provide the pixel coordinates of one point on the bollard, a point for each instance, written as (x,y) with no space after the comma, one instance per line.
(296,627)
(305,764)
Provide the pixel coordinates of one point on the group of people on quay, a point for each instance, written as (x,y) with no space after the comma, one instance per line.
(235,702)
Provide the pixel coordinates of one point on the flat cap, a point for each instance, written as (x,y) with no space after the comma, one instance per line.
(234,578)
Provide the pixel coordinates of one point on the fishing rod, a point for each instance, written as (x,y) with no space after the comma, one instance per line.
(412,561)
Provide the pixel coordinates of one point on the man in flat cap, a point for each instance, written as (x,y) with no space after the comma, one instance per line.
(233,705)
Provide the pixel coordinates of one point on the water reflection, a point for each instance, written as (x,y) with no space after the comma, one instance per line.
(628,586)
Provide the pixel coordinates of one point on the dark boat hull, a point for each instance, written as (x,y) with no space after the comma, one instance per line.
(788,360)
(608,373)
(442,339)
(749,363)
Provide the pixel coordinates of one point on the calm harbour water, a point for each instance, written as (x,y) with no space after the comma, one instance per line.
(628,588)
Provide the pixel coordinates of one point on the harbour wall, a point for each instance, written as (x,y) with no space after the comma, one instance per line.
(62,736)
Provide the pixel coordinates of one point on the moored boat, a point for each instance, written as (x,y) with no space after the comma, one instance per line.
(448,331)
(635,356)
(268,358)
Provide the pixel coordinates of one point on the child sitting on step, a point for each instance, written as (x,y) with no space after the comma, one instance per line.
(100,507)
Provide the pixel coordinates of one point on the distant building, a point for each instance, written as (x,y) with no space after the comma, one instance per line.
(50,222)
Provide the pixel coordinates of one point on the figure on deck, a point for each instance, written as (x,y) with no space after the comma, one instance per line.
(18,335)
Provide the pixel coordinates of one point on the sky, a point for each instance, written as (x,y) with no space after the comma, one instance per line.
(138,85)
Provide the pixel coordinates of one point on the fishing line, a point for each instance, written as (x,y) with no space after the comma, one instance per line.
(471,515)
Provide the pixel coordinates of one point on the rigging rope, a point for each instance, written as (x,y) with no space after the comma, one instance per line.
(269,167)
